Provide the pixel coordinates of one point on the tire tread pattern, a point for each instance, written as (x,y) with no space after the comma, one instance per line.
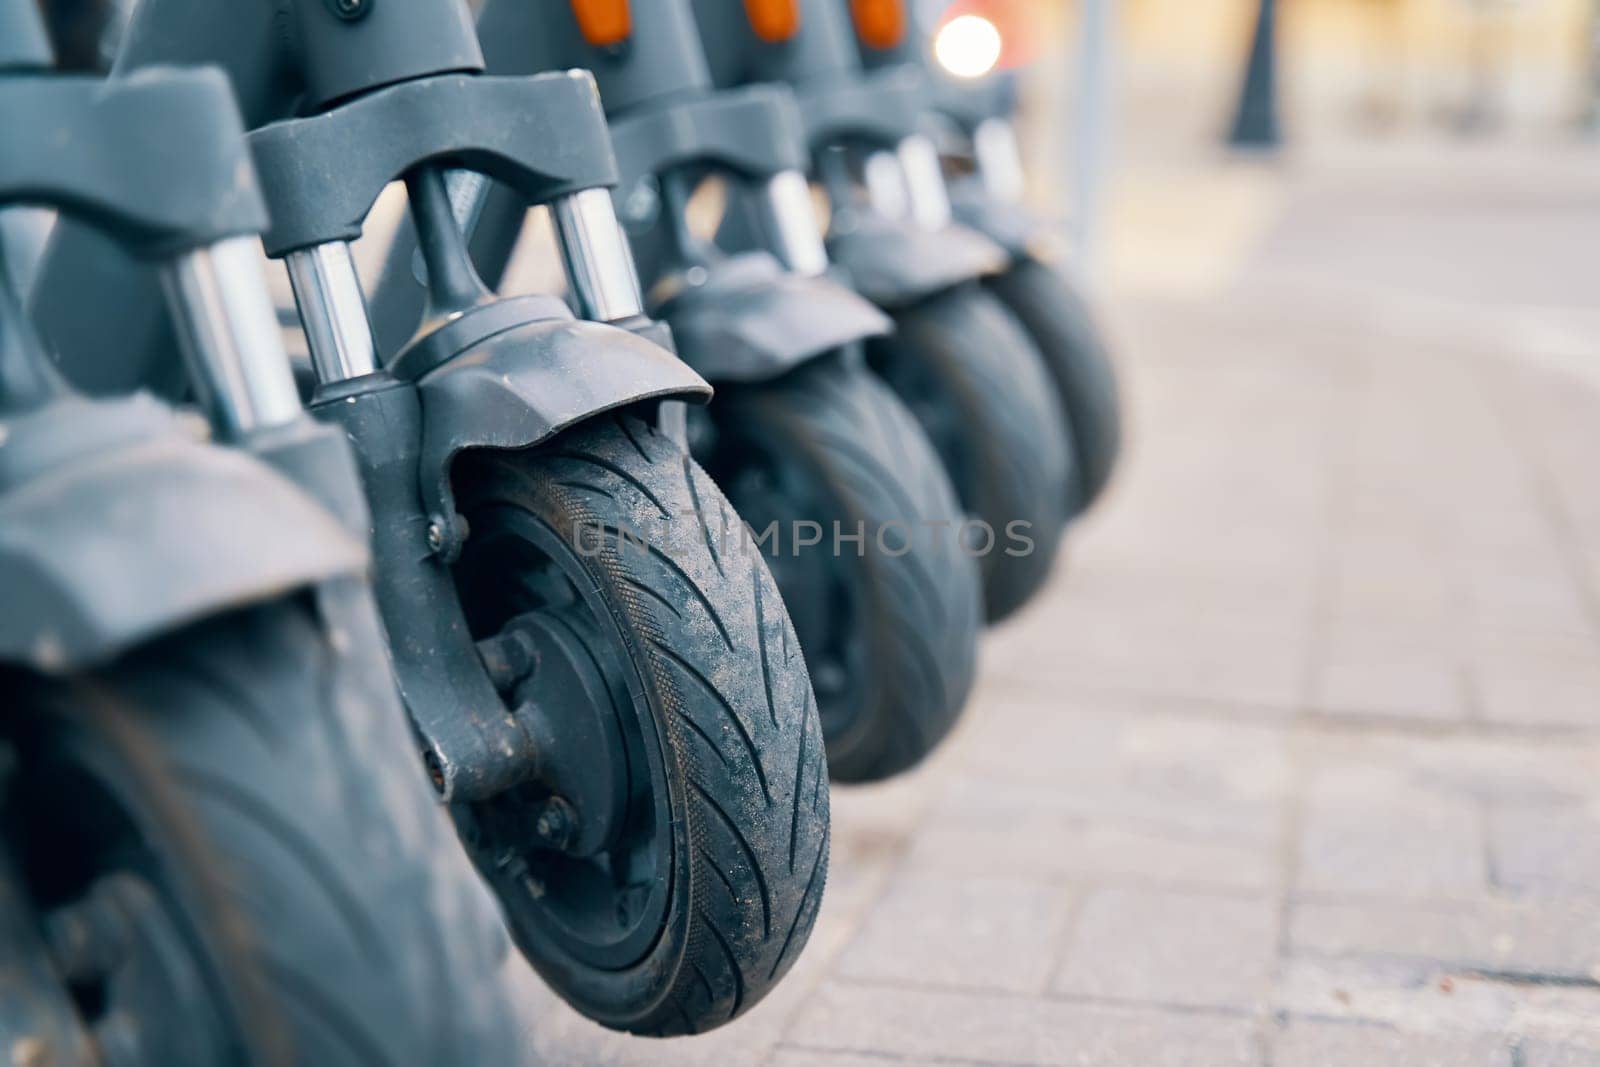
(1017,457)
(1059,320)
(922,607)
(376,942)
(687,605)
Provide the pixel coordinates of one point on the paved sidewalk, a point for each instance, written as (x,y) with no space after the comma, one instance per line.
(1297,763)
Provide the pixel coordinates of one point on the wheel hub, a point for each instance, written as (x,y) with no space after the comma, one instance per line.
(581,853)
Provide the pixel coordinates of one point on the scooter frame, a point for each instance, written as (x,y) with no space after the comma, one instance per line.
(103,500)
(389,88)
(901,245)
(973,119)
(84,589)
(742,318)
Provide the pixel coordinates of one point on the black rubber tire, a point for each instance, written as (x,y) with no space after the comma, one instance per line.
(714,656)
(969,373)
(366,938)
(1061,324)
(917,608)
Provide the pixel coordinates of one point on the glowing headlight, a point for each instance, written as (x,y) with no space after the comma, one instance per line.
(967,46)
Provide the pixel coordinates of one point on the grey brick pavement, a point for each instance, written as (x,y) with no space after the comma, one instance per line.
(1298,762)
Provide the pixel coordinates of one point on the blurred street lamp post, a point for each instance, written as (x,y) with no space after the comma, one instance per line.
(1091,103)
(1255,124)
(1593,116)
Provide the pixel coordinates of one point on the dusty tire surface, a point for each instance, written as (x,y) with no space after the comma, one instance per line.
(977,384)
(1062,326)
(723,703)
(901,635)
(313,872)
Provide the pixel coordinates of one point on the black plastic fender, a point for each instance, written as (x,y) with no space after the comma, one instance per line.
(1016,228)
(751,320)
(119,523)
(523,384)
(894,263)
(507,375)
(107,153)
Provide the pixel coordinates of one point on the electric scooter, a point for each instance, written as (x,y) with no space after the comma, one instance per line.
(971,122)
(849,502)
(215,844)
(959,360)
(613,705)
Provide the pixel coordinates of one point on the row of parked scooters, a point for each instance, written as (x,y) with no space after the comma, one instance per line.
(506,544)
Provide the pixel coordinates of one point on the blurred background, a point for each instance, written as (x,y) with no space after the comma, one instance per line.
(1295,764)
(1448,114)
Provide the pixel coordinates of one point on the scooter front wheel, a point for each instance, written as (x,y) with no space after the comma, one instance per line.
(1058,319)
(239,861)
(864,535)
(663,870)
(977,384)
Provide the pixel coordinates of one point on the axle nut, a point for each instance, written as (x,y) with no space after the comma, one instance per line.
(350,10)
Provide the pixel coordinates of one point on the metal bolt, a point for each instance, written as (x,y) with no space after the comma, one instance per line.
(435,536)
(435,769)
(508,658)
(350,10)
(557,823)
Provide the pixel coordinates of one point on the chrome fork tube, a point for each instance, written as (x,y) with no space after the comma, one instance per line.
(886,185)
(909,183)
(595,253)
(228,333)
(994,146)
(925,188)
(790,222)
(333,311)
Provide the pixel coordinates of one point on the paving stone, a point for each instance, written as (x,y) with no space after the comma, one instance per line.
(1540,691)
(1177,809)
(1535,1052)
(1533,589)
(980,932)
(1364,833)
(922,1025)
(1179,948)
(1314,1043)
(1465,765)
(1423,996)
(1044,845)
(791,1056)
(1554,939)
(1368,677)
(1152,764)
(1203,653)
(1546,850)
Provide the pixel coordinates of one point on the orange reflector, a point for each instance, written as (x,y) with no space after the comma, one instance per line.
(879,23)
(603,22)
(773,20)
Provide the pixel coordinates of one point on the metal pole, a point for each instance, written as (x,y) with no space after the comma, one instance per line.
(1092,105)
(1255,125)
(1594,67)
(1592,105)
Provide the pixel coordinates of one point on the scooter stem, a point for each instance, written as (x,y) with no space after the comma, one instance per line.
(28,380)
(453,283)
